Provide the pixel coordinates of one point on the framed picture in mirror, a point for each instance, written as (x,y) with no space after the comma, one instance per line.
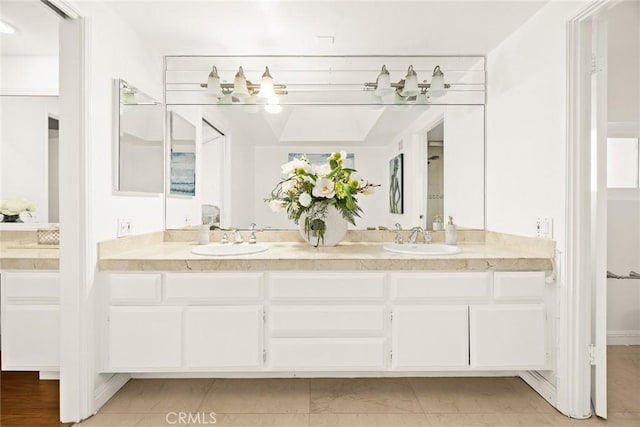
(396,196)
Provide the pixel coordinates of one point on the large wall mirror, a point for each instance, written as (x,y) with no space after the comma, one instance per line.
(138,141)
(326,104)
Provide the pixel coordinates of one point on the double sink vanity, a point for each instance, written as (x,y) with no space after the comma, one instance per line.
(353,309)
(296,310)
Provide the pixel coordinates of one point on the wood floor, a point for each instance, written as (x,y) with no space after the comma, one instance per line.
(364,402)
(25,400)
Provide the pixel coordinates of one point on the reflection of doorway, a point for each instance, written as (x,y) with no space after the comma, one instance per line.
(435,175)
(52,158)
(212,171)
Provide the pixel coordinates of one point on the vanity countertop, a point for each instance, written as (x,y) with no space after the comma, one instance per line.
(20,251)
(163,255)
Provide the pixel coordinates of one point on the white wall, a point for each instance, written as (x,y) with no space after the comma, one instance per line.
(526,129)
(113,51)
(116,51)
(24,149)
(623,216)
(526,132)
(29,75)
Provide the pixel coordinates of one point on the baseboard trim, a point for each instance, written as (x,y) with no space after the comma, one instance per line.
(49,375)
(106,391)
(630,337)
(541,385)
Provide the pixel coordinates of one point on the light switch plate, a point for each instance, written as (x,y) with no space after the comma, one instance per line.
(544,228)
(124,227)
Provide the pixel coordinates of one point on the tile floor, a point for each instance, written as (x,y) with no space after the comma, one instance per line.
(364,402)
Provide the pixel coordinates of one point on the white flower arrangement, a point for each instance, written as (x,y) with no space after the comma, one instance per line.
(308,189)
(11,207)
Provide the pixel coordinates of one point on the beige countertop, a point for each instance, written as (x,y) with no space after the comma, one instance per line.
(19,250)
(174,255)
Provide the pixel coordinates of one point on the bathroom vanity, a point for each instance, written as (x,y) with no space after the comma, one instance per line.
(29,303)
(353,309)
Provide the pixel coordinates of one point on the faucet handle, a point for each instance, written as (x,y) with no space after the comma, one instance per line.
(225,238)
(427,236)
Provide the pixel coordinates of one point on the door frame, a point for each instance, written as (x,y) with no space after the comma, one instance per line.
(575,357)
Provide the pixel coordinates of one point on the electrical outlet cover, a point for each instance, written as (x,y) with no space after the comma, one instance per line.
(124,227)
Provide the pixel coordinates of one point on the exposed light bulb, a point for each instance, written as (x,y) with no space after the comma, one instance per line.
(266,86)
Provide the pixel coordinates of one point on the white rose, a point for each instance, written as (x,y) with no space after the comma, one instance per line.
(324,188)
(289,168)
(305,199)
(322,170)
(277,205)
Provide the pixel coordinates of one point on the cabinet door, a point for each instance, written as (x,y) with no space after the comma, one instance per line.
(224,338)
(508,336)
(31,337)
(430,337)
(145,339)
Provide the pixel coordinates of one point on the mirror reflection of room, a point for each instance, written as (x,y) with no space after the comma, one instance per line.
(435,179)
(29,159)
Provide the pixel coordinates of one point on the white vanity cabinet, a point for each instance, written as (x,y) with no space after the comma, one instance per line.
(321,321)
(325,322)
(30,320)
(184,322)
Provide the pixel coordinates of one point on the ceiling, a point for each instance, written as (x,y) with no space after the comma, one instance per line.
(318,125)
(293,27)
(37,28)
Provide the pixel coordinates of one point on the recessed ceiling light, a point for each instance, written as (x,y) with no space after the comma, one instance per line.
(6,28)
(325,41)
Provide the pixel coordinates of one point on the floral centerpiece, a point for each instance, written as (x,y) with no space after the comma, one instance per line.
(309,191)
(12,208)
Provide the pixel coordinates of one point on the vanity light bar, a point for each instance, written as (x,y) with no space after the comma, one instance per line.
(227,88)
(423,86)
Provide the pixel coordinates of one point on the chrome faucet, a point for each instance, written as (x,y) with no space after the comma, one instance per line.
(426,235)
(398,238)
(237,237)
(414,234)
(252,236)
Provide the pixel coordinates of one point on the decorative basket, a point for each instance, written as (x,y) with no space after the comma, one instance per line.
(48,236)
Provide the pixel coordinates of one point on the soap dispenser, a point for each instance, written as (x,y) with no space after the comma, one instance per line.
(203,234)
(450,232)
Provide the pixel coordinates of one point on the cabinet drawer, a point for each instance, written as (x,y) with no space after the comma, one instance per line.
(326,286)
(411,286)
(512,285)
(201,287)
(327,321)
(327,354)
(134,288)
(31,287)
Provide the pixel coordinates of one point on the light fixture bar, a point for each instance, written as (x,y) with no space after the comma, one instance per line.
(253,88)
(372,85)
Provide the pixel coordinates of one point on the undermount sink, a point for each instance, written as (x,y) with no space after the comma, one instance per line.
(227,249)
(422,249)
